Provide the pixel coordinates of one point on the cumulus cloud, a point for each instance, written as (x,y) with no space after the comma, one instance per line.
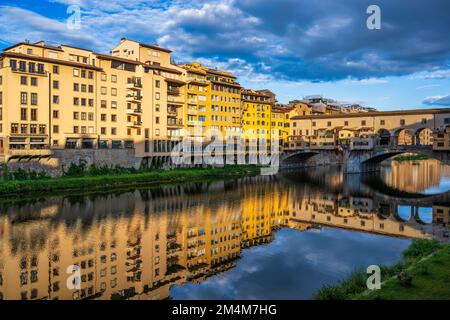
(437,100)
(290,39)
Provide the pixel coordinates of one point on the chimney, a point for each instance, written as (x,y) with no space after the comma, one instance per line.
(122,39)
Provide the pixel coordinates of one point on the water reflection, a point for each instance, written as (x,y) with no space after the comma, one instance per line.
(140,244)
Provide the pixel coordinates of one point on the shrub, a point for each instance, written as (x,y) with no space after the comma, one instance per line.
(404,278)
(421,248)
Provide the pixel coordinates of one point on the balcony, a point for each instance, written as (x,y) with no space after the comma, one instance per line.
(173,91)
(134,111)
(174,123)
(198,81)
(192,111)
(179,100)
(192,101)
(172,111)
(134,84)
(134,124)
(134,98)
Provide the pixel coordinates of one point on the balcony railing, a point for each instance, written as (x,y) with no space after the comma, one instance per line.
(174,122)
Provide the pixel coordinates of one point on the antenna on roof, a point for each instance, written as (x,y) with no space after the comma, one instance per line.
(27,41)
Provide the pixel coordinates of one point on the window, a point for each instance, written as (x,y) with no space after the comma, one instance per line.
(55,84)
(345,123)
(33,81)
(103,104)
(114,104)
(113,78)
(42,129)
(103,77)
(103,130)
(75,129)
(55,114)
(76,101)
(23,98)
(83,116)
(402,122)
(76,87)
(33,129)
(91,88)
(113,91)
(91,116)
(113,118)
(91,75)
(23,80)
(103,90)
(76,116)
(314,124)
(103,117)
(23,128)
(157,84)
(363,122)
(34,99)
(23,114)
(76,72)
(382,122)
(56,69)
(40,68)
(83,73)
(14,128)
(157,95)
(83,88)
(113,132)
(33,115)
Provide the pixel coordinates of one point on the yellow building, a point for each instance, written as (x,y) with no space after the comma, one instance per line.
(257,119)
(76,98)
(213,103)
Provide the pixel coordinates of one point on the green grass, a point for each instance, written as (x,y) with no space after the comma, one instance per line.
(426,262)
(413,157)
(120,180)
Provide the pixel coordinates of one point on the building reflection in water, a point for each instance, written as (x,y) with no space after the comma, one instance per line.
(138,244)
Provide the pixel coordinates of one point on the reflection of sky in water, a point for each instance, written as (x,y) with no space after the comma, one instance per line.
(295,265)
(404,212)
(425,213)
(444,186)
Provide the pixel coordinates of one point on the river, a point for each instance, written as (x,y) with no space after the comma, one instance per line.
(265,237)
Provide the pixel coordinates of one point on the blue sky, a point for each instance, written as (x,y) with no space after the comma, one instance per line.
(293,47)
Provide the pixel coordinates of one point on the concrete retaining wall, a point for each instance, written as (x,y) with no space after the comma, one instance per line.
(60,161)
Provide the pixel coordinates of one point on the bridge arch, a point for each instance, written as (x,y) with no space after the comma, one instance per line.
(424,137)
(404,137)
(296,157)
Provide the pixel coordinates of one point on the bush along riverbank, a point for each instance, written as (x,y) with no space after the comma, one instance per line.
(411,157)
(81,177)
(423,274)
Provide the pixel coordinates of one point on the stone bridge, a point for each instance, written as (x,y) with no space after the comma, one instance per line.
(357,161)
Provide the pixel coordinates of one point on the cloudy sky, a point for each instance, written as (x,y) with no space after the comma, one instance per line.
(294,47)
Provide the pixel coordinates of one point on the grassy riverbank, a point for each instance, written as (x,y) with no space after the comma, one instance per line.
(423,274)
(411,157)
(87,182)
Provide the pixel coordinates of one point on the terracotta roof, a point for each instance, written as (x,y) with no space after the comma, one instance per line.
(170,70)
(154,47)
(236,85)
(33,45)
(221,73)
(49,60)
(179,82)
(108,57)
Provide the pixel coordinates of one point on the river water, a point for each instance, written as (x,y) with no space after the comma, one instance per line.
(266,237)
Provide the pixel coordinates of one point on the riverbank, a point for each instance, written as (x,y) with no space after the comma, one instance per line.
(423,274)
(111,181)
(411,157)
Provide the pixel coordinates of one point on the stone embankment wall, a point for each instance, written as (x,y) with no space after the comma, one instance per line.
(60,160)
